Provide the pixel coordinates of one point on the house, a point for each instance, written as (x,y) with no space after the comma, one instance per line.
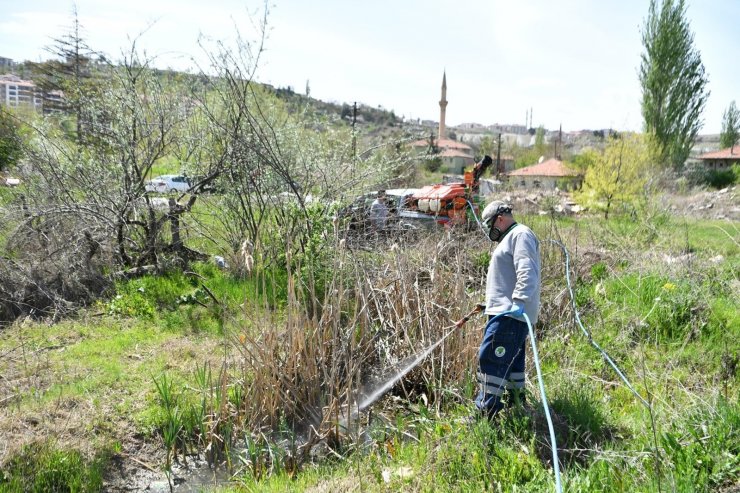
(548,174)
(507,163)
(456,160)
(455,156)
(721,160)
(16,92)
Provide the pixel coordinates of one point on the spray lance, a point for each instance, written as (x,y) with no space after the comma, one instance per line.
(412,361)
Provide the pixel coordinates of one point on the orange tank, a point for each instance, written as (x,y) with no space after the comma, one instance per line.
(440,199)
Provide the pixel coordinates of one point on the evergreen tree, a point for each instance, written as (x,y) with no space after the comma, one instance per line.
(730,127)
(71,72)
(540,147)
(673,81)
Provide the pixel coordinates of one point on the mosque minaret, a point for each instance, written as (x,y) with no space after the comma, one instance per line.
(443,108)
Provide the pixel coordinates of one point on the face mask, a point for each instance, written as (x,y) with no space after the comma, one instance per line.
(494,234)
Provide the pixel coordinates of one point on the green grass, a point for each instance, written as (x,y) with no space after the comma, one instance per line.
(168,165)
(673,331)
(182,302)
(698,453)
(42,467)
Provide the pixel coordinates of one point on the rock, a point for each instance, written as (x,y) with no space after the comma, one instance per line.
(678,259)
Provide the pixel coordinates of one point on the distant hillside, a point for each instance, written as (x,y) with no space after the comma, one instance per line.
(365,114)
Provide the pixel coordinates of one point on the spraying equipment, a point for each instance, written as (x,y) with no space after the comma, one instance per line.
(451,203)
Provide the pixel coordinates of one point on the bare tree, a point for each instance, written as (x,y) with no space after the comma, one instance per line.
(282,166)
(85,209)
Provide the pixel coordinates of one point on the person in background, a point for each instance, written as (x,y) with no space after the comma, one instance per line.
(379,212)
(513,288)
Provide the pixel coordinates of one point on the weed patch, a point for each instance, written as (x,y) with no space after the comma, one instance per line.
(40,467)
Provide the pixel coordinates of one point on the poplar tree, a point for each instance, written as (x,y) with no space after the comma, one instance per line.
(730,127)
(673,81)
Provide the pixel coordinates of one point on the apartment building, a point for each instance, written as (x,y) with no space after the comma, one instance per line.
(6,64)
(15,92)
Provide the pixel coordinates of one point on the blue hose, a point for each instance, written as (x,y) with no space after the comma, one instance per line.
(543,395)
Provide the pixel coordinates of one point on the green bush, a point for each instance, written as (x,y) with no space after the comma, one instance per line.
(11,149)
(131,304)
(723,178)
(698,175)
(433,164)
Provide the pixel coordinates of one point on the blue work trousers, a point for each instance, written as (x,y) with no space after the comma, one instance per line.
(501,371)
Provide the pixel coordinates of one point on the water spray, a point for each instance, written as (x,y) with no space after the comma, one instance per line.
(368,399)
(412,361)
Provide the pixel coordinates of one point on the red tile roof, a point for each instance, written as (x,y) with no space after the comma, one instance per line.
(723,154)
(442,144)
(455,153)
(451,144)
(551,167)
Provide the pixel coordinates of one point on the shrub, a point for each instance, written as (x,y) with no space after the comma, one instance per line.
(699,175)
(723,178)
(433,164)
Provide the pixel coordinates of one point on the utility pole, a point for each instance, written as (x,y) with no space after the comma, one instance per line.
(531,110)
(354,137)
(498,157)
(559,152)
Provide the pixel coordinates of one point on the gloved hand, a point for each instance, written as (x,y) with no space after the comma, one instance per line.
(516,310)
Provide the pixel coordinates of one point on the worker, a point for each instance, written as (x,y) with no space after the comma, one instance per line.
(379,212)
(512,287)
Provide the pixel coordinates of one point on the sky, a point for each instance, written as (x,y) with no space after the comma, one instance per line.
(572,62)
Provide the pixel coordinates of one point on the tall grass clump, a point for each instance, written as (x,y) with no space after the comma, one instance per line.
(308,366)
(42,467)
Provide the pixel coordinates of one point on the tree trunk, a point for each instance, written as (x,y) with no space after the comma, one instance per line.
(174,217)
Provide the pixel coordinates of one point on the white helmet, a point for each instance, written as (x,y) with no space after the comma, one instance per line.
(490,213)
(495,208)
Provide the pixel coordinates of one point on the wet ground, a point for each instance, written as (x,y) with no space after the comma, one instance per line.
(128,474)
